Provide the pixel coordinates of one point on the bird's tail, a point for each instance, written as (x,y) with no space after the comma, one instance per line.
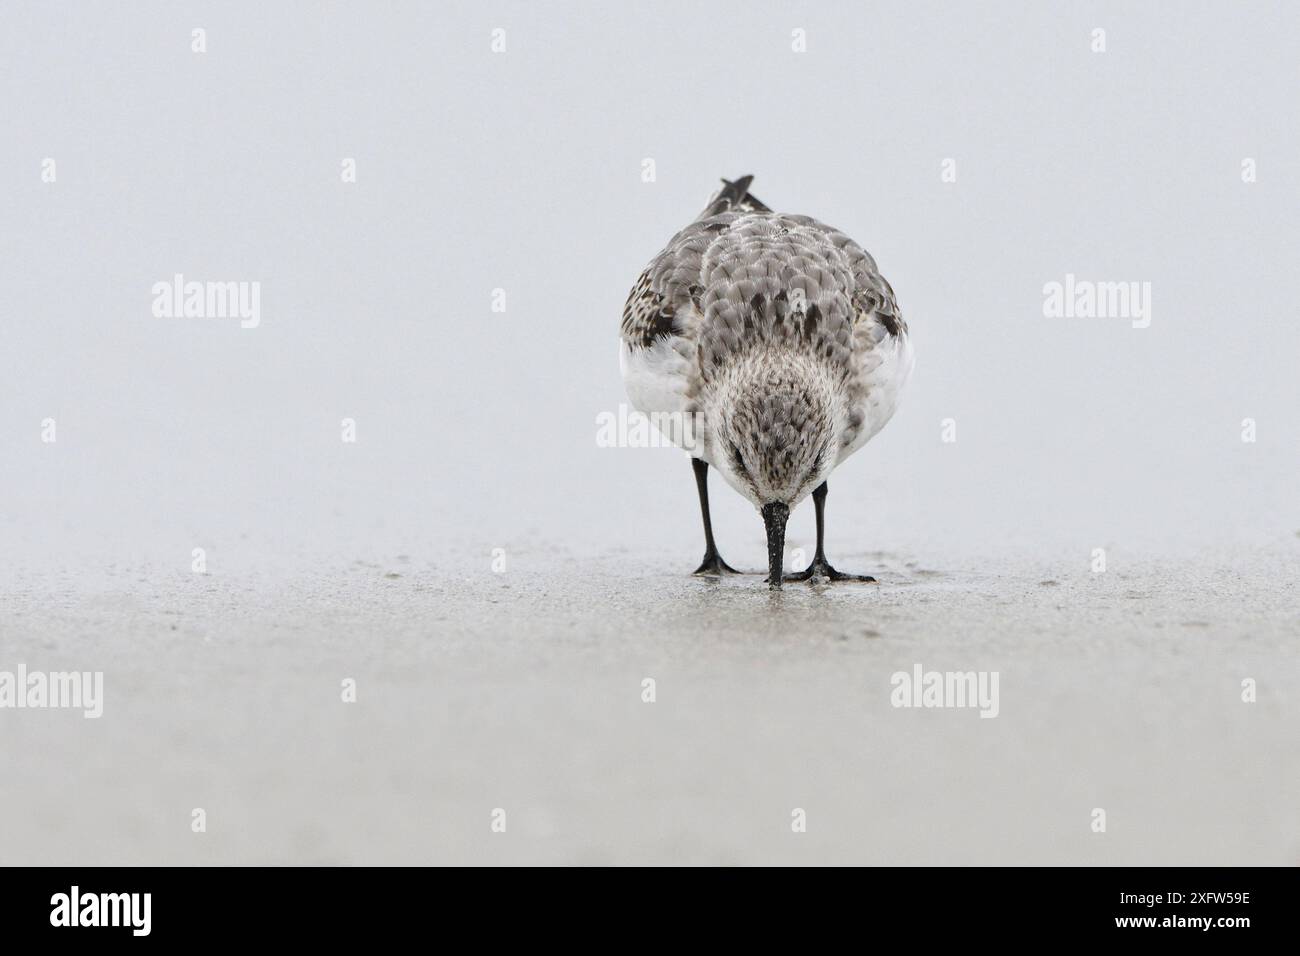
(734,197)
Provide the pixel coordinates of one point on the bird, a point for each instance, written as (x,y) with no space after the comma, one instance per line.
(778,349)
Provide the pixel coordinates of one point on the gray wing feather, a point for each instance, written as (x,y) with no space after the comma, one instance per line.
(738,279)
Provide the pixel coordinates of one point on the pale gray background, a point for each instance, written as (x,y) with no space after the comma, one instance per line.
(477,431)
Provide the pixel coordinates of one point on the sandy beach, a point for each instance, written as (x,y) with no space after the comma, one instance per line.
(523,691)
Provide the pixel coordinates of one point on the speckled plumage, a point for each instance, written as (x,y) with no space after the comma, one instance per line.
(777,332)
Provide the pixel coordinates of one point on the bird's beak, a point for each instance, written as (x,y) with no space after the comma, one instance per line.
(775,516)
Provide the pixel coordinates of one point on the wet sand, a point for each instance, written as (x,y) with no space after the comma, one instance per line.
(523,691)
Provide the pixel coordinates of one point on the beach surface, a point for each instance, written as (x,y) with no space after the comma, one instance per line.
(524,691)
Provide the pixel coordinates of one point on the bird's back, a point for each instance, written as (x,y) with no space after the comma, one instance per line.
(742,282)
(721,268)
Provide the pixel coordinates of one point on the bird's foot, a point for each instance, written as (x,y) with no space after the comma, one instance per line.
(821,569)
(714,566)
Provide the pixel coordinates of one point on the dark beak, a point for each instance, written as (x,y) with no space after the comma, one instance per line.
(775,516)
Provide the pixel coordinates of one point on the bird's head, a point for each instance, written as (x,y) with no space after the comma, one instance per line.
(773,433)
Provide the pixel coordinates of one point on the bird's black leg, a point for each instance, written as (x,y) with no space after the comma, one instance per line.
(712,563)
(820,567)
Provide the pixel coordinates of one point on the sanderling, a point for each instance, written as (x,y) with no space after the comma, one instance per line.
(780,340)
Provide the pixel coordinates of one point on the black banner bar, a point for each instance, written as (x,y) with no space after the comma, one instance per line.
(334,905)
